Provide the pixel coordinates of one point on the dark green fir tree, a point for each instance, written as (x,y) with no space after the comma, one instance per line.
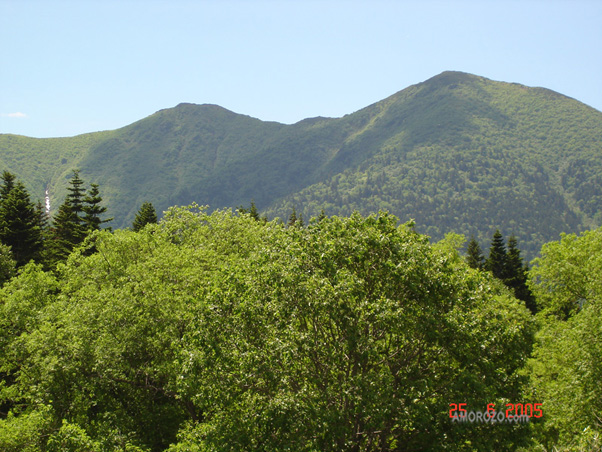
(496,262)
(146,215)
(20,224)
(474,254)
(516,275)
(293,219)
(76,195)
(66,232)
(93,210)
(253,211)
(8,183)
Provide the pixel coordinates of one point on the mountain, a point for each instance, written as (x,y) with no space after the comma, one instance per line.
(457,153)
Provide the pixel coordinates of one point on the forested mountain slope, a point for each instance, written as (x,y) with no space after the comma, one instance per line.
(456,152)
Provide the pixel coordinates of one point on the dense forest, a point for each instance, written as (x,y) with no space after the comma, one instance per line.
(223,331)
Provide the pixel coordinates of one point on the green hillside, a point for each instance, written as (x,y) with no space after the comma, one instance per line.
(460,152)
(456,153)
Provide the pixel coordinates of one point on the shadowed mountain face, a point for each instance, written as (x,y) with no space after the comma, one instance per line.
(455,153)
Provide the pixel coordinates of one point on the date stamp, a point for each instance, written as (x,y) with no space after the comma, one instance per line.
(514,413)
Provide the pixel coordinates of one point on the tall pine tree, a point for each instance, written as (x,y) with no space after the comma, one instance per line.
(292,220)
(66,232)
(8,183)
(92,209)
(496,262)
(516,275)
(474,254)
(19,222)
(76,217)
(76,195)
(146,215)
(253,211)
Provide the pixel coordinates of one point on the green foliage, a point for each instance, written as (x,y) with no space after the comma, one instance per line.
(361,310)
(7,264)
(563,278)
(20,225)
(76,195)
(474,254)
(496,262)
(8,183)
(225,333)
(146,215)
(566,368)
(24,433)
(77,217)
(517,274)
(506,265)
(92,209)
(72,438)
(66,232)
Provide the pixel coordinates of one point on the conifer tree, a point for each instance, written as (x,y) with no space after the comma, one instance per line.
(66,232)
(496,262)
(92,209)
(514,263)
(474,254)
(19,223)
(78,215)
(253,211)
(43,218)
(76,195)
(292,220)
(8,183)
(146,215)
(516,275)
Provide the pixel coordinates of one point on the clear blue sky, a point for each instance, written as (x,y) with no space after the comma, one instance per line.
(70,67)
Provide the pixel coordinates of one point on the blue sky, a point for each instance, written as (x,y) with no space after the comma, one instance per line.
(71,67)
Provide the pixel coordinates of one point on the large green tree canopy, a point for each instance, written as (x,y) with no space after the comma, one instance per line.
(224,333)
(566,369)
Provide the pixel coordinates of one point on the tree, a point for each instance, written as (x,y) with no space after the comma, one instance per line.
(566,276)
(322,215)
(516,275)
(349,334)
(76,217)
(92,209)
(20,225)
(496,262)
(8,183)
(566,369)
(292,219)
(146,215)
(7,264)
(474,254)
(253,211)
(76,195)
(65,233)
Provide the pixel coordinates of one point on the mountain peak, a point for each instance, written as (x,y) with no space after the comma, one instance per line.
(447,78)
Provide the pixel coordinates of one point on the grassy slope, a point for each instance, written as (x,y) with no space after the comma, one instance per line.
(457,152)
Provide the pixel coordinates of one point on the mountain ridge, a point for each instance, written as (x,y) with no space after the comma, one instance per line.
(442,151)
